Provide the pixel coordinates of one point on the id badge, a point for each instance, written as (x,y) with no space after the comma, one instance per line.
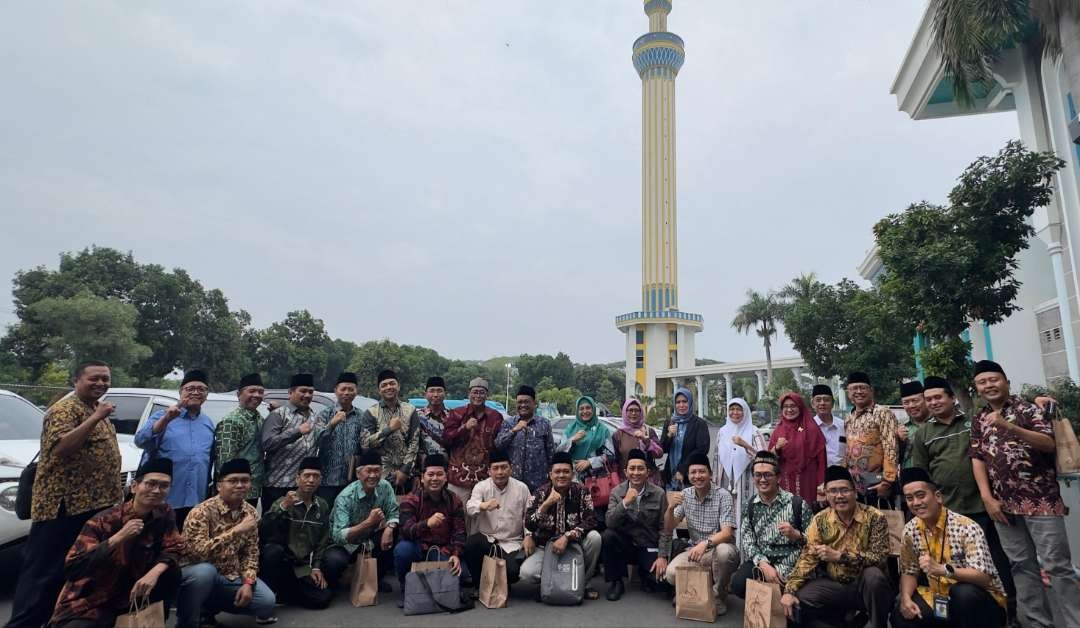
(941,607)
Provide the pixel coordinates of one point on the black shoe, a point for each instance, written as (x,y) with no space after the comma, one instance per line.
(401,599)
(384,587)
(615,590)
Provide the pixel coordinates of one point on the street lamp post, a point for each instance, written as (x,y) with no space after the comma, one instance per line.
(508,365)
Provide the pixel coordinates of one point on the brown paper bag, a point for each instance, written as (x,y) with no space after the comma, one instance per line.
(494,588)
(1068,449)
(763,608)
(143,615)
(895,519)
(694,596)
(427,564)
(364,588)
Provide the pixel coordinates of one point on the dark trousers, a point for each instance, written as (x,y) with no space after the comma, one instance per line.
(618,550)
(168,585)
(42,574)
(969,607)
(181,517)
(826,600)
(337,559)
(738,580)
(276,570)
(477,547)
(270,495)
(997,553)
(329,493)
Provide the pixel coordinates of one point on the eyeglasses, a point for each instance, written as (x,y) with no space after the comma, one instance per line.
(835,492)
(237,481)
(156,485)
(198,390)
(764,476)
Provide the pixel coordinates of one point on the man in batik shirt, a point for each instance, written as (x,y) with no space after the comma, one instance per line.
(872,454)
(340,439)
(470,437)
(239,433)
(392,427)
(433,417)
(527,440)
(290,434)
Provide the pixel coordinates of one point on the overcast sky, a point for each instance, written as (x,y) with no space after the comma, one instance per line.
(461,174)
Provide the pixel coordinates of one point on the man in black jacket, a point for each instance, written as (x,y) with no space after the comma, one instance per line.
(635,518)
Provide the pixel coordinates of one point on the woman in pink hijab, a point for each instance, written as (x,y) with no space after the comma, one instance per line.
(634,434)
(800,445)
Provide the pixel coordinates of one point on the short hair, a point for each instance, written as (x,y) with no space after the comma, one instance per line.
(87,364)
(765,457)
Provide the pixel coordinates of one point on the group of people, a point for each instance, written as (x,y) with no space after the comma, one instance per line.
(398,484)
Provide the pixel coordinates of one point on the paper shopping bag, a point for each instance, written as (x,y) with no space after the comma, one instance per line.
(1068,449)
(143,615)
(895,519)
(694,597)
(494,588)
(762,608)
(364,588)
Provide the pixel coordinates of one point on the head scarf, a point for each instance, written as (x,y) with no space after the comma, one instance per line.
(596,433)
(730,457)
(682,418)
(628,426)
(804,438)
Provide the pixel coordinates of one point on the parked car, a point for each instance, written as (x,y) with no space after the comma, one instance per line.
(275,397)
(20,435)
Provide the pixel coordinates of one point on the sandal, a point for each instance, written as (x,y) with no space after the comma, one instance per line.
(591,594)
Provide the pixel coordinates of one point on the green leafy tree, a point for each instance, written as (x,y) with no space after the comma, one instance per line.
(563,398)
(533,368)
(294,345)
(87,327)
(760,314)
(950,266)
(972,34)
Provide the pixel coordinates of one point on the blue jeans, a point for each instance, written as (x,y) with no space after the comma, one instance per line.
(408,552)
(204,590)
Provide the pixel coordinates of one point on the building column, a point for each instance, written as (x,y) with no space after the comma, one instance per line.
(1064,308)
(796,372)
(841,393)
(702,396)
(729,379)
(760,384)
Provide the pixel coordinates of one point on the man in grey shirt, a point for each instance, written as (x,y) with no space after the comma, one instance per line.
(290,434)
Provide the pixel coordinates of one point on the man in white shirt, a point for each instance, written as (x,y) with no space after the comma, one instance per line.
(832,426)
(498,506)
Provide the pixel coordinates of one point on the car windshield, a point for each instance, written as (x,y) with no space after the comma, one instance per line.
(217,409)
(19,420)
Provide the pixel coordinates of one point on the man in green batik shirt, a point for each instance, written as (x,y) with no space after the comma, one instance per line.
(911,397)
(239,433)
(340,440)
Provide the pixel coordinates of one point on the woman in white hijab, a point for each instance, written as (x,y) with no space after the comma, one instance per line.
(736,443)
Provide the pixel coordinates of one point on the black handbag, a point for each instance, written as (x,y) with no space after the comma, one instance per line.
(25,496)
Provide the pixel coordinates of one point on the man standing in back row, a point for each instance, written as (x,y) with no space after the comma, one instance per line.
(290,434)
(239,434)
(392,427)
(470,436)
(872,453)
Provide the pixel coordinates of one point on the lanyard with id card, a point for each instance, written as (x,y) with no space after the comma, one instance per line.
(941,602)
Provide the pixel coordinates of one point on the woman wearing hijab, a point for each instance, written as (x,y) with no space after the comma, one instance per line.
(736,443)
(588,440)
(800,446)
(683,434)
(634,434)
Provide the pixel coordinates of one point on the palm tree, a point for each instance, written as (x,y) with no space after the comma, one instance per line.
(972,33)
(802,288)
(760,314)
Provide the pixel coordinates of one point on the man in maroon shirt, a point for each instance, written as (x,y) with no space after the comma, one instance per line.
(431,518)
(469,436)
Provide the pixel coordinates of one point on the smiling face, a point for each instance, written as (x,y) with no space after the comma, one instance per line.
(93,383)
(682,404)
(765,479)
(823,404)
(234,487)
(195,394)
(923,500)
(435,396)
(560,475)
(526,405)
(992,387)
(151,490)
(915,406)
(700,476)
(637,471)
(862,395)
(939,402)
(790,410)
(841,496)
(735,413)
(499,472)
(369,476)
(251,397)
(633,413)
(388,390)
(434,479)
(585,411)
(300,396)
(345,393)
(477,396)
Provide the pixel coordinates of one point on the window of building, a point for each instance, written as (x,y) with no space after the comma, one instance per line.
(640,359)
(639,336)
(673,337)
(673,359)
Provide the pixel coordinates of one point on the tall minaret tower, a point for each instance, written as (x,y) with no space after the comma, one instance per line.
(659,336)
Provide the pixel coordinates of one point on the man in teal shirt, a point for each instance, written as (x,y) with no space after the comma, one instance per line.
(941,446)
(364,519)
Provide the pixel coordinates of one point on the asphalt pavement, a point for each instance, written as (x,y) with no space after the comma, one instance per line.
(633,610)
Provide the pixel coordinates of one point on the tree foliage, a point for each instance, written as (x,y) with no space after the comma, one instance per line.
(87,327)
(760,314)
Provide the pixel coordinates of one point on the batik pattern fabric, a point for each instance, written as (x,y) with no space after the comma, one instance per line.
(954,540)
(234,556)
(864,543)
(239,435)
(399,448)
(872,450)
(338,445)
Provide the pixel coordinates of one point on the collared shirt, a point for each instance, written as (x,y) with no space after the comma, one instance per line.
(1021,477)
(303,530)
(99,579)
(285,446)
(966,548)
(944,451)
(573,513)
(871,445)
(448,536)
(865,543)
(354,504)
(86,480)
(399,448)
(834,449)
(761,538)
(643,520)
(186,441)
(530,449)
(506,524)
(704,517)
(234,556)
(431,426)
(338,445)
(239,435)
(468,449)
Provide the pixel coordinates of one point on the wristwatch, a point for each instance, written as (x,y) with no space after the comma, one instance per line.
(950,570)
(709,545)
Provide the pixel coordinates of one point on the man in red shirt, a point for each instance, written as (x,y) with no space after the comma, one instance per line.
(469,436)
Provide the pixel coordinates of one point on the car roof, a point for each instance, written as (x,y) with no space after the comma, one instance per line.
(166,392)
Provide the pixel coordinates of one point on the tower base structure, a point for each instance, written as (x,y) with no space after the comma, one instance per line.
(657,341)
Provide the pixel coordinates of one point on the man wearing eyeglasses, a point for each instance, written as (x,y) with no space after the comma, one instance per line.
(774,523)
(185,435)
(125,555)
(842,566)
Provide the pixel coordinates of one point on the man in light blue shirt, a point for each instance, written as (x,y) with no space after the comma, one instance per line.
(185,435)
